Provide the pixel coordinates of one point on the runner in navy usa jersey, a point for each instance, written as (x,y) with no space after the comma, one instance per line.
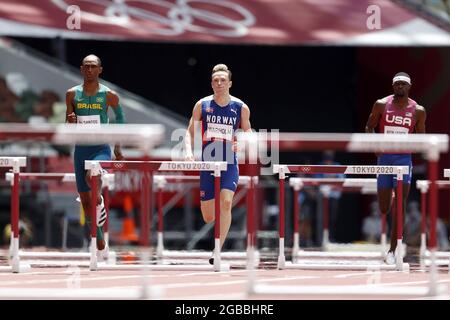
(395,114)
(220,116)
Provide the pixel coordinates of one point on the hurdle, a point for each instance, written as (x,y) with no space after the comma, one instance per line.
(399,171)
(109,256)
(431,145)
(364,186)
(148,167)
(442,256)
(15,163)
(142,136)
(162,181)
(145,137)
(447,175)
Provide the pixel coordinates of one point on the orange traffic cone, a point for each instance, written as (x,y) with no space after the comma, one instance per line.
(128,229)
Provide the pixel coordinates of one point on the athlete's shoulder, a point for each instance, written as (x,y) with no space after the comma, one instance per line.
(384,100)
(205,99)
(103,88)
(420,108)
(75,88)
(235,99)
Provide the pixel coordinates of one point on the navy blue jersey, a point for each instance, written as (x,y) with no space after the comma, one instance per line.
(219,125)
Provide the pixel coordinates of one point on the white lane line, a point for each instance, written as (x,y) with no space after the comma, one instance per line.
(224,283)
(63,280)
(411,282)
(219,296)
(368,272)
(217,273)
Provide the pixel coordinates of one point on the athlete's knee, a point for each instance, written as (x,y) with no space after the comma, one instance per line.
(207,213)
(208,218)
(384,208)
(225,205)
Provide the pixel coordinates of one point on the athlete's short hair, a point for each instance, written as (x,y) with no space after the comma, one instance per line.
(93,55)
(221,67)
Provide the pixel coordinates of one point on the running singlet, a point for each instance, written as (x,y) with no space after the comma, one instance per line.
(91,110)
(219,124)
(398,121)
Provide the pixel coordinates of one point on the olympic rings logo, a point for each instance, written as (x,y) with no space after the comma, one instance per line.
(180,16)
(118,165)
(306,169)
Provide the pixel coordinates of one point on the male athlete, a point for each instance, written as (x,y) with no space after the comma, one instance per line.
(87,104)
(220,115)
(396,114)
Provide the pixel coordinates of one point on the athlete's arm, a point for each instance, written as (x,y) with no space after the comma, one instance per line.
(420,121)
(245,118)
(70,110)
(112,100)
(374,117)
(189,138)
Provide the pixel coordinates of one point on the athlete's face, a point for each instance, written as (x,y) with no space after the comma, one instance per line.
(401,88)
(220,82)
(90,69)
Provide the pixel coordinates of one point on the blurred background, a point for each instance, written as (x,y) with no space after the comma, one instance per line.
(300,65)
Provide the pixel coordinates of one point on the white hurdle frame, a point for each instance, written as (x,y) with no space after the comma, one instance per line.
(399,171)
(108,185)
(95,168)
(15,163)
(442,257)
(363,185)
(447,175)
(161,182)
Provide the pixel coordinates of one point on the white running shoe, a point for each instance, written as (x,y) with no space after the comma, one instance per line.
(102,255)
(101,213)
(390,258)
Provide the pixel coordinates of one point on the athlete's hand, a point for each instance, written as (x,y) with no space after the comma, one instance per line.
(118,153)
(72,118)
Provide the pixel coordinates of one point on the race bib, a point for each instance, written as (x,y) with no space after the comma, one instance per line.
(396,130)
(93,120)
(219,131)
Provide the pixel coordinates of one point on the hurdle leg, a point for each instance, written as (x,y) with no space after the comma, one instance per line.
(423,237)
(217,261)
(296,245)
(250,225)
(15,261)
(399,256)
(281,256)
(160,243)
(94,185)
(325,215)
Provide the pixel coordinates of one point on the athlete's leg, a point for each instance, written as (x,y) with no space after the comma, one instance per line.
(384,203)
(208,212)
(86,200)
(83,182)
